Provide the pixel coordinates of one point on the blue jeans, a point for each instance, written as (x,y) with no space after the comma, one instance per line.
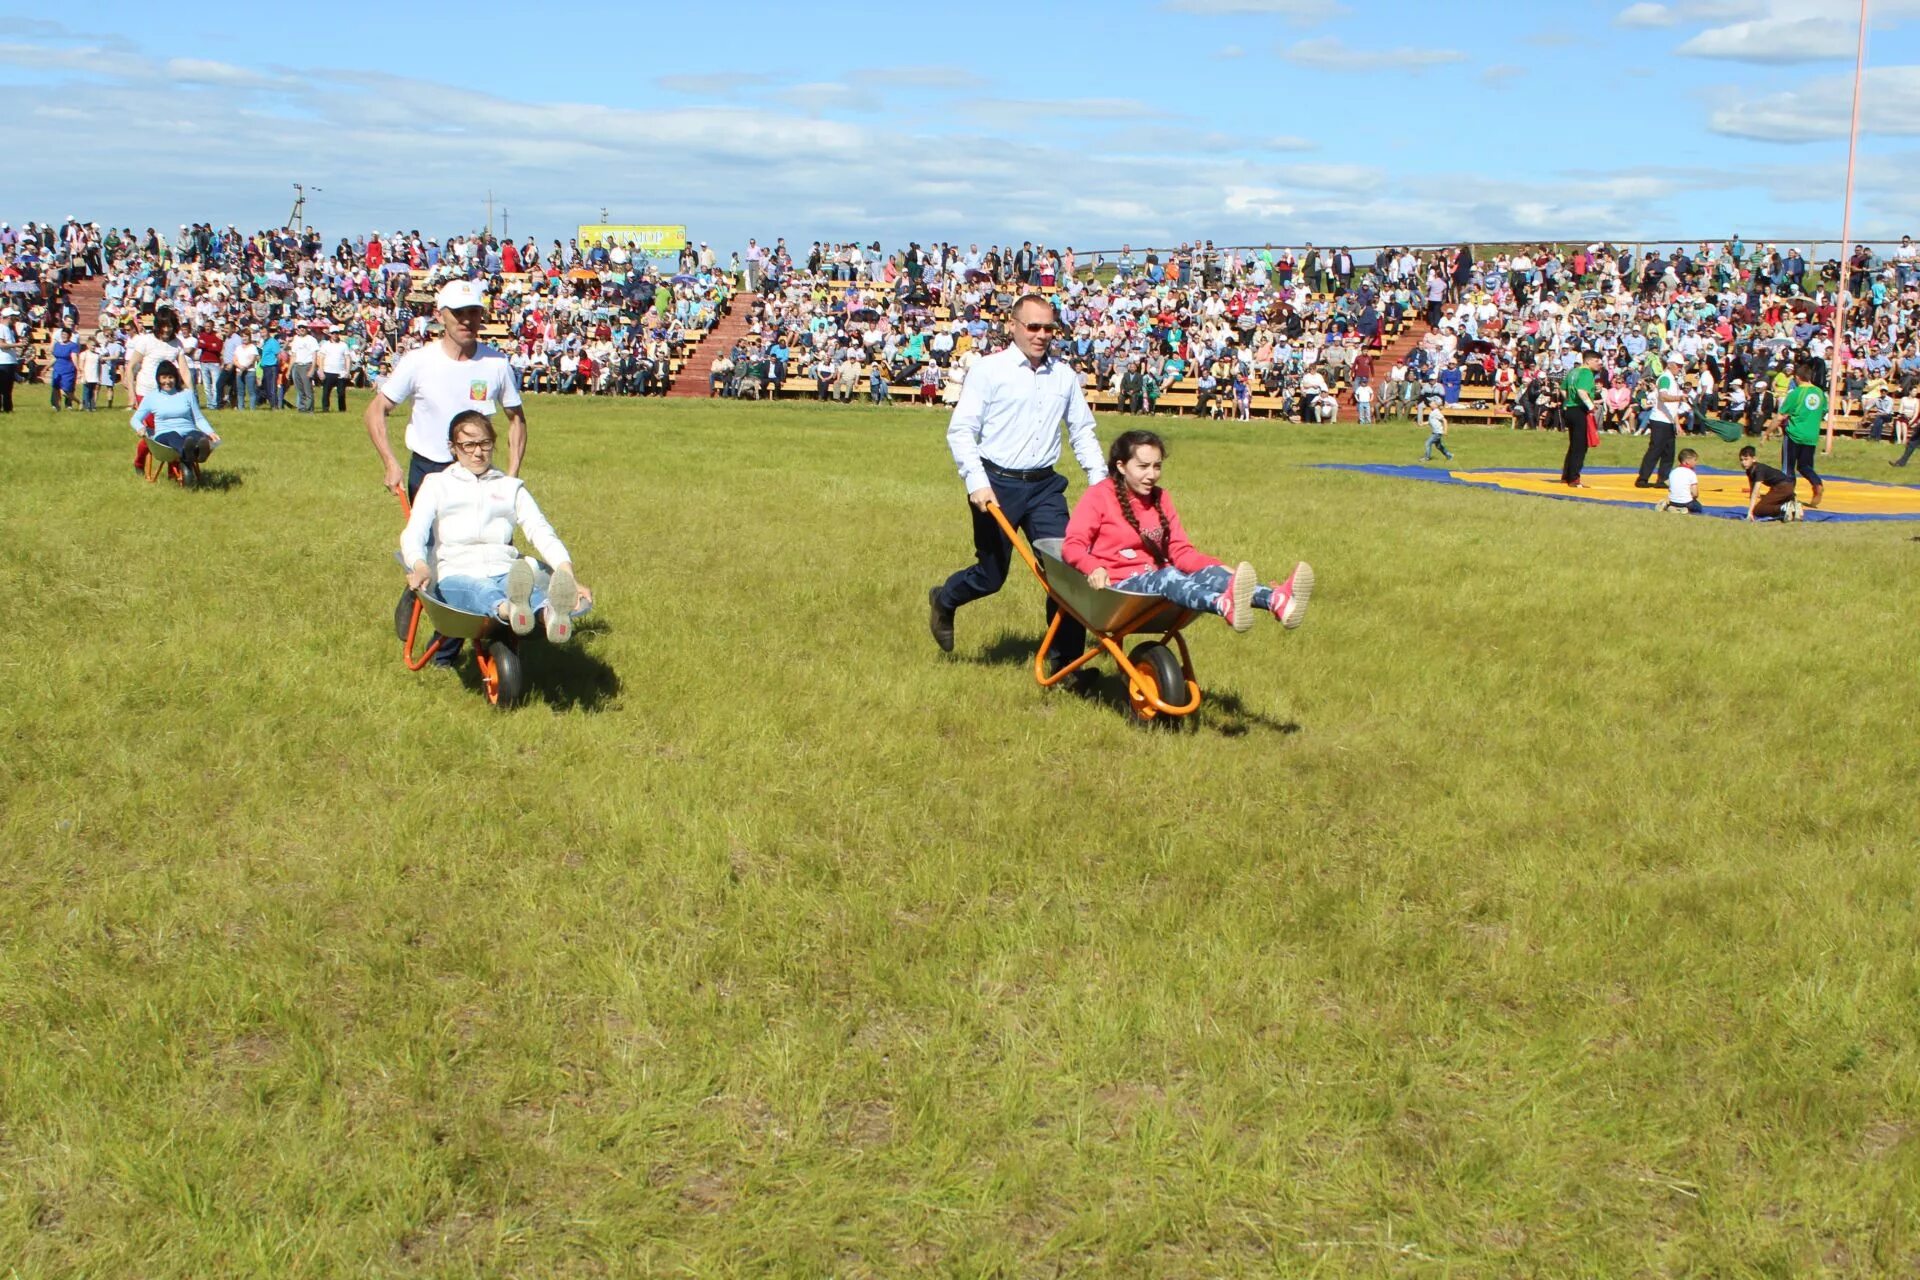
(1435,441)
(483,595)
(1198,591)
(248,381)
(210,385)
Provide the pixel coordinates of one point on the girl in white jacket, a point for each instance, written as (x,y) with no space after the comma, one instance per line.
(468,513)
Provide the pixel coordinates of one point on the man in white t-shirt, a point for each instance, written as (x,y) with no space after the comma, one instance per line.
(304,350)
(336,361)
(450,375)
(1668,408)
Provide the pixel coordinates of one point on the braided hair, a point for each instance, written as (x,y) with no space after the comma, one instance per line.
(1124,446)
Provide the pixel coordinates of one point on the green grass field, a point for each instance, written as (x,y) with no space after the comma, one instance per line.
(1545,906)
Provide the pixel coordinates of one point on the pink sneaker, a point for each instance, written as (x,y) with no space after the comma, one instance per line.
(1236,602)
(1289,603)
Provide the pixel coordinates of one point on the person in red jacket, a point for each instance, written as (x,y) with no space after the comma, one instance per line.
(1126,534)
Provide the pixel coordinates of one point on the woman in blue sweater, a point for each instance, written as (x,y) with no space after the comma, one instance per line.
(170,415)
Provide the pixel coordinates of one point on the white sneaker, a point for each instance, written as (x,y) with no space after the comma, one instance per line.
(1663,505)
(520,596)
(562,594)
(1289,600)
(1236,604)
(1793,511)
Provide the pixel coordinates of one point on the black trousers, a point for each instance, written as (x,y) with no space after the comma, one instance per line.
(7,375)
(1574,419)
(1038,508)
(1660,445)
(446,650)
(332,384)
(1797,460)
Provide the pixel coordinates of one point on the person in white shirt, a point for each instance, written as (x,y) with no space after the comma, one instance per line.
(446,376)
(335,359)
(1665,415)
(1005,439)
(303,351)
(13,342)
(1683,487)
(459,539)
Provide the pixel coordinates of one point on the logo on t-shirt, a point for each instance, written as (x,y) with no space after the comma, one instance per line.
(477,390)
(1813,400)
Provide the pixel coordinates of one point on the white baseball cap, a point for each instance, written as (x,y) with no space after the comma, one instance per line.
(455,294)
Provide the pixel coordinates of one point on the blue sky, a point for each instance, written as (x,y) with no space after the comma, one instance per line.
(1247,121)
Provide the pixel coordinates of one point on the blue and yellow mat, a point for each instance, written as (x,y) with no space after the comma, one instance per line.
(1722,493)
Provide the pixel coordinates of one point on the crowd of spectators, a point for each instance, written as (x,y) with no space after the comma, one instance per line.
(1302,332)
(1299,331)
(278,313)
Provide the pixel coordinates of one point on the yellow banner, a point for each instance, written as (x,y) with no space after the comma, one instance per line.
(654,241)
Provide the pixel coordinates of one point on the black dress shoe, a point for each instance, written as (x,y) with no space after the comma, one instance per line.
(939,621)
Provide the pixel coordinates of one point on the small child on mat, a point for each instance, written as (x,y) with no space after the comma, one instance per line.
(1683,486)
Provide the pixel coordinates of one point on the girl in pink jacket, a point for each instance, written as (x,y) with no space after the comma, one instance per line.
(1125,534)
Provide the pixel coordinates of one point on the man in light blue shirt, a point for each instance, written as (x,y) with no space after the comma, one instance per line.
(1005,439)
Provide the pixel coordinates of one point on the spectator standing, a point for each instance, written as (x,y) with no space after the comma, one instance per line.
(335,359)
(11,346)
(304,350)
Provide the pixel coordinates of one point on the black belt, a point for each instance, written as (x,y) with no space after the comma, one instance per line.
(1008,473)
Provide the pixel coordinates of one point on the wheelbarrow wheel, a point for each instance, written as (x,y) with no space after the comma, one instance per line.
(1162,666)
(403,615)
(505,679)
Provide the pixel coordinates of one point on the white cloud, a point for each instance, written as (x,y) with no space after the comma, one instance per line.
(956,79)
(1304,12)
(1350,179)
(820,97)
(715,84)
(1016,113)
(1330,53)
(385,151)
(1775,40)
(1645,15)
(1821,108)
(1230,51)
(201,71)
(1502,75)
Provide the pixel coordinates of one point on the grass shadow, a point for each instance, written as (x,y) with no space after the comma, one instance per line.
(1009,649)
(1241,719)
(563,676)
(218,481)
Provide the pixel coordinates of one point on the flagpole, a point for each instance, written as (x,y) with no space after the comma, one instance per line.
(1846,233)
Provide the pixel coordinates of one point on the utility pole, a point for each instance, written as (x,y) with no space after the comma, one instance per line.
(603,213)
(1839,349)
(505,231)
(489,210)
(296,221)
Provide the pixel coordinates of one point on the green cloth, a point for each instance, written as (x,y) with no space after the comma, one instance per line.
(1579,379)
(1806,409)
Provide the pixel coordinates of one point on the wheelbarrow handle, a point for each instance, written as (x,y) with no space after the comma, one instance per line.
(398,491)
(1019,543)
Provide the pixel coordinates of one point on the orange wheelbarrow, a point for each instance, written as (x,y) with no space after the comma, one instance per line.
(496,649)
(1159,684)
